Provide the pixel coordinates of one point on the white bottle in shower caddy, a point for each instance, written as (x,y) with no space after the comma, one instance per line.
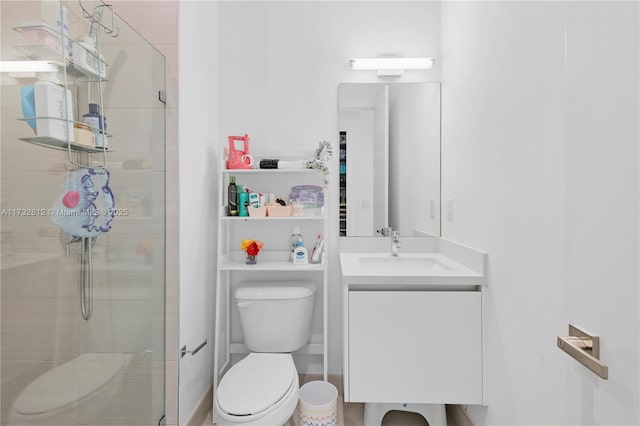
(50,101)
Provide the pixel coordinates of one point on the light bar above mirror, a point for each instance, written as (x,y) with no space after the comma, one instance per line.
(391,66)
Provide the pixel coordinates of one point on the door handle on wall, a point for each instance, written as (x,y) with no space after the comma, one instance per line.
(584,346)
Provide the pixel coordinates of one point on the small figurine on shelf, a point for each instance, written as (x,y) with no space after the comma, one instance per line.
(251,248)
(321,160)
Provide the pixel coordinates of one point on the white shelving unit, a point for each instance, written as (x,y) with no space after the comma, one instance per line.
(272,264)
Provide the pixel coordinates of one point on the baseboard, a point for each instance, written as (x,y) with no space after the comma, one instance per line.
(456,416)
(202,408)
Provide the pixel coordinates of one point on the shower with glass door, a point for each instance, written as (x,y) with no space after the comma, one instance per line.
(82,224)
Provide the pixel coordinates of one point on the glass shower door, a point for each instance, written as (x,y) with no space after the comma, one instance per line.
(57,366)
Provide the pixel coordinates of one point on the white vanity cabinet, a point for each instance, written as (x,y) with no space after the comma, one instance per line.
(413,324)
(415,346)
(272,262)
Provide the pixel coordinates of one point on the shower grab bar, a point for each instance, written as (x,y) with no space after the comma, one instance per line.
(184,351)
(584,346)
(86,278)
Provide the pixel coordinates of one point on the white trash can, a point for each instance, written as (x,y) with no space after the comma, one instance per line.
(318,404)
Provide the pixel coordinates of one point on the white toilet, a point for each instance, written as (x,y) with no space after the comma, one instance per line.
(262,388)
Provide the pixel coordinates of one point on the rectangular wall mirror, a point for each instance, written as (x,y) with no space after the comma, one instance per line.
(389,158)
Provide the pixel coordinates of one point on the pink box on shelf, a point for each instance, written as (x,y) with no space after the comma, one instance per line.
(43,36)
(257,211)
(279,211)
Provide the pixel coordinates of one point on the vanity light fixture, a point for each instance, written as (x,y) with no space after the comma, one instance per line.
(391,66)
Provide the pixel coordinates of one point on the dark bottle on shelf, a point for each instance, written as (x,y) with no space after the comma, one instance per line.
(232,197)
(98,124)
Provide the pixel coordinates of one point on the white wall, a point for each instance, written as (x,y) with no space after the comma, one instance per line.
(540,156)
(602,221)
(198,192)
(280,65)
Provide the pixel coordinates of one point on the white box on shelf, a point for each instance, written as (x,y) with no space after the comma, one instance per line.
(51,119)
(85,56)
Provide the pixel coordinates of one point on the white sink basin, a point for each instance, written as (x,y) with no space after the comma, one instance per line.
(406,268)
(408,263)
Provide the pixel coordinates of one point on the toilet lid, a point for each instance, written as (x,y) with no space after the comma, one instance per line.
(69,382)
(256,383)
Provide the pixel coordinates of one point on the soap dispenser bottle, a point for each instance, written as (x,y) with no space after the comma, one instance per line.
(294,240)
(300,255)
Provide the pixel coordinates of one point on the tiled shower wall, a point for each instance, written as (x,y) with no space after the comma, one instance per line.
(38,171)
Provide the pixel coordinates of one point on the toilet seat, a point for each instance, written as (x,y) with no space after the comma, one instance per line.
(256,386)
(68,383)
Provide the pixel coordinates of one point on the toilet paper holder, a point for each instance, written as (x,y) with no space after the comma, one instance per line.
(584,346)
(184,351)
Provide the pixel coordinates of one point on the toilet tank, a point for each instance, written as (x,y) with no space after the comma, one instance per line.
(275,317)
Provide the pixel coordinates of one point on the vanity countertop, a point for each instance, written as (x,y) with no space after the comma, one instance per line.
(448,264)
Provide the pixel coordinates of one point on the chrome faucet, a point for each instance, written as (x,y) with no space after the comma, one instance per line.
(395,242)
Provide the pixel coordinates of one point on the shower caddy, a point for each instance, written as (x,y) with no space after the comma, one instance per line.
(78,156)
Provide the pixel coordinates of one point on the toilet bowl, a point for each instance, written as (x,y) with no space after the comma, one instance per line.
(263,387)
(58,392)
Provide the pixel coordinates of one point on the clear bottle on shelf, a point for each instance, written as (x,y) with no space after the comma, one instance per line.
(294,240)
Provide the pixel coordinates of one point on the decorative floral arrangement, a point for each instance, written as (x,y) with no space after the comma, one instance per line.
(252,248)
(321,160)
